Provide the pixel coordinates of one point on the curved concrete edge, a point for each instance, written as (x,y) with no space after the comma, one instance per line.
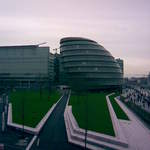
(68,100)
(95,140)
(9,117)
(77,135)
(118,130)
(31,143)
(125,111)
(27,129)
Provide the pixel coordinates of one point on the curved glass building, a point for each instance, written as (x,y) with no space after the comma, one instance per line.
(88,65)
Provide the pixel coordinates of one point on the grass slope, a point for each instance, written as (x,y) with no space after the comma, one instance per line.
(91,112)
(35,107)
(119,112)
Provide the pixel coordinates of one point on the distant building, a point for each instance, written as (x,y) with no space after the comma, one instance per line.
(121,64)
(88,65)
(140,81)
(25,66)
(57,68)
(148,79)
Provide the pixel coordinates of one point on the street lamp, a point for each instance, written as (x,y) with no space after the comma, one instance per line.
(3,113)
(86,118)
(23,116)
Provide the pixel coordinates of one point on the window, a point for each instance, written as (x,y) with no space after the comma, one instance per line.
(96,69)
(33,52)
(83,63)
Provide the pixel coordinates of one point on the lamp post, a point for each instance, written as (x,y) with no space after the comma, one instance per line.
(3,113)
(23,116)
(86,118)
(40,85)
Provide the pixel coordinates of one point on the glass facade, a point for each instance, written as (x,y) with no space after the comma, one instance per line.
(88,65)
(23,65)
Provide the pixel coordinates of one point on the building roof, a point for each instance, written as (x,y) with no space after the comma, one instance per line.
(13,46)
(69,39)
(31,45)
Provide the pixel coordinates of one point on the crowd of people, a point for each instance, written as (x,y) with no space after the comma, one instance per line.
(138,95)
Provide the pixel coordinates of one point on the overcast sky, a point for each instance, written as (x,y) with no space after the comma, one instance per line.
(121,26)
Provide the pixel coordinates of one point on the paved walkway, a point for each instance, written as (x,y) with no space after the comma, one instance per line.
(136,133)
(53,136)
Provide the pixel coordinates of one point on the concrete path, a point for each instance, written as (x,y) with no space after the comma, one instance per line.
(136,133)
(53,135)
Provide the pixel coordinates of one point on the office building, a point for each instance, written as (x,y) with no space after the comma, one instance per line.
(88,65)
(25,66)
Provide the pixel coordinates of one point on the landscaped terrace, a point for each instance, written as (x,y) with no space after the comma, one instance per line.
(30,106)
(91,112)
(119,112)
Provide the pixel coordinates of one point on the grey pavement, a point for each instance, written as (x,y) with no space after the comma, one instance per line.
(53,135)
(136,133)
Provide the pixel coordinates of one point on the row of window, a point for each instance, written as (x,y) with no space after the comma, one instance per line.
(86,58)
(81,69)
(88,64)
(82,46)
(85,53)
(96,75)
(18,52)
(96,81)
(78,42)
(84,50)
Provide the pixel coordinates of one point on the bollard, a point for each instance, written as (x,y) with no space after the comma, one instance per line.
(5,109)
(3,122)
(1,146)
(7,100)
(38,142)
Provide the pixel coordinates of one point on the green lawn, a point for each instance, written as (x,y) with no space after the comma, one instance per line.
(91,112)
(119,112)
(35,106)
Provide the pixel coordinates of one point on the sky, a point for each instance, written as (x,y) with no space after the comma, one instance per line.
(121,26)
